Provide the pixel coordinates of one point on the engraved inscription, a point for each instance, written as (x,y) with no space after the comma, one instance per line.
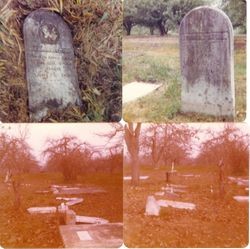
(221,36)
(48,34)
(53,70)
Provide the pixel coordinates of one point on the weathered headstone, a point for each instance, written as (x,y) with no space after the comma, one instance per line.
(152,207)
(92,236)
(207,68)
(50,68)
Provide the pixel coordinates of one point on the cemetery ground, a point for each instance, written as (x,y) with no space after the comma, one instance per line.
(155,59)
(23,230)
(215,222)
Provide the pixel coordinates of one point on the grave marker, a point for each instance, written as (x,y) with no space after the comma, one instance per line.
(92,236)
(50,68)
(207,68)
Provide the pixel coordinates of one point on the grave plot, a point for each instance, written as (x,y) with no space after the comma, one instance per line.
(57,189)
(92,236)
(165,217)
(136,90)
(128,178)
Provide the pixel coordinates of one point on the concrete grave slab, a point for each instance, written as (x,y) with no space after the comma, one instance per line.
(160,193)
(241,198)
(176,204)
(41,210)
(50,63)
(207,63)
(70,201)
(92,236)
(190,175)
(90,220)
(80,190)
(127,178)
(239,181)
(152,206)
(135,90)
(174,190)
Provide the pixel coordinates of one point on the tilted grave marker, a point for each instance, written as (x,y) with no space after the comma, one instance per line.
(50,67)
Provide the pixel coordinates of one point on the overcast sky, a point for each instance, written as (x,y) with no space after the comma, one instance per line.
(38,133)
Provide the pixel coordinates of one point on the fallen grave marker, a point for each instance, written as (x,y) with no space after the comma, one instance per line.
(135,90)
(92,236)
(176,204)
(127,178)
(241,198)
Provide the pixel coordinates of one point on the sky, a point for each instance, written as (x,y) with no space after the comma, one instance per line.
(202,134)
(38,133)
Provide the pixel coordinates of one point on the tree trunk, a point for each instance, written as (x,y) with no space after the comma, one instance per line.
(16,190)
(152,30)
(132,141)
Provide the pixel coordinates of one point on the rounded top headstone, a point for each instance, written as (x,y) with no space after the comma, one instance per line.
(205,19)
(49,27)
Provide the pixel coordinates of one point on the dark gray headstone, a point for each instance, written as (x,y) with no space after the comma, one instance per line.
(207,68)
(50,67)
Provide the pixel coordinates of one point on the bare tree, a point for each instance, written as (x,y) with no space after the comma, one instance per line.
(132,134)
(15,159)
(167,143)
(68,154)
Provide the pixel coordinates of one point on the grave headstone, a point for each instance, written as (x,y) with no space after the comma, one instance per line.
(50,67)
(207,67)
(92,236)
(152,207)
(70,217)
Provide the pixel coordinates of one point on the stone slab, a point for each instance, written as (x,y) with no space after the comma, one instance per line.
(176,204)
(76,191)
(127,178)
(70,201)
(135,90)
(152,206)
(241,198)
(92,236)
(207,63)
(41,210)
(239,181)
(50,64)
(90,220)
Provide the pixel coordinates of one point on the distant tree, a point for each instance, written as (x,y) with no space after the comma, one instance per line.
(132,135)
(236,10)
(16,158)
(160,14)
(230,145)
(68,155)
(167,143)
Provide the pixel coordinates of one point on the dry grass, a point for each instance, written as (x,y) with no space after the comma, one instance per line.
(156,60)
(23,230)
(214,223)
(97,32)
